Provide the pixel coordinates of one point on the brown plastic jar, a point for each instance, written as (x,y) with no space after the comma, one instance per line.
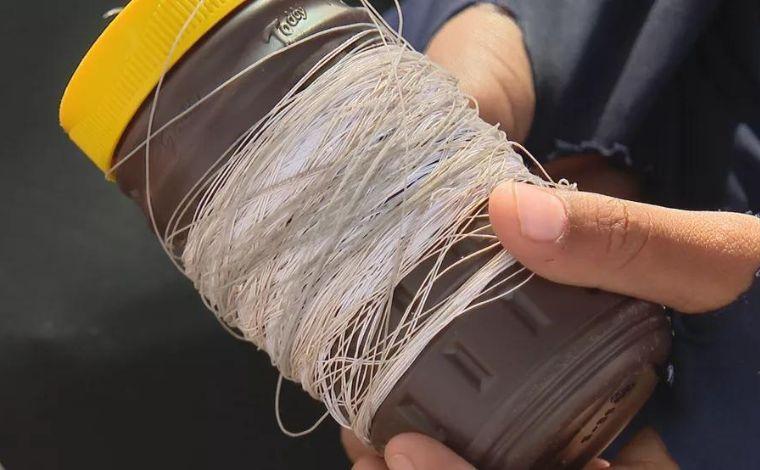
(544,378)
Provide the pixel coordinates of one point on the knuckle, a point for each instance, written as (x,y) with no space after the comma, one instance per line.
(625,232)
(612,223)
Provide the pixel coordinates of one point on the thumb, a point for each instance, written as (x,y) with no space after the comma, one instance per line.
(690,261)
(418,452)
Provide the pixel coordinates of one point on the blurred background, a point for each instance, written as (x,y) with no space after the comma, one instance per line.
(108,358)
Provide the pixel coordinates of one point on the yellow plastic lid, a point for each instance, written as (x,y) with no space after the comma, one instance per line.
(124,66)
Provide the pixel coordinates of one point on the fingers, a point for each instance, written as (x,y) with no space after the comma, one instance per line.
(645,452)
(355,449)
(419,452)
(597,464)
(370,462)
(691,261)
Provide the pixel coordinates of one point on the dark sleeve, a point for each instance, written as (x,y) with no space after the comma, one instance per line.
(423,18)
(598,65)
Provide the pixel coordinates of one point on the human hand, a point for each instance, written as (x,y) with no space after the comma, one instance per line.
(690,261)
(417,452)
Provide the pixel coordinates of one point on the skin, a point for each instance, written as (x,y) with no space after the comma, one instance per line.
(691,261)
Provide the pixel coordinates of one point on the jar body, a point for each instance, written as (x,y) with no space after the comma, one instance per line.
(543,378)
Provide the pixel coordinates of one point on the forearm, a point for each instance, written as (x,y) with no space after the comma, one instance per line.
(483,47)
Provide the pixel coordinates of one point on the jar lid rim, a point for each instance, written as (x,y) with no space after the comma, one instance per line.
(125,64)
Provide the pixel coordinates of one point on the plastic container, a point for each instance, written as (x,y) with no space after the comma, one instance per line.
(545,378)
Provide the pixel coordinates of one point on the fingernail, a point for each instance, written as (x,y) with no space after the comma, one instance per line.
(400,462)
(542,214)
(598,464)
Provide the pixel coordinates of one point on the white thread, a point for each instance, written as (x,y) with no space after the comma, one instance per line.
(340,194)
(310,221)
(112,13)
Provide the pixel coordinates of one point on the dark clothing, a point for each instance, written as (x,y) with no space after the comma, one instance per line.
(672,89)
